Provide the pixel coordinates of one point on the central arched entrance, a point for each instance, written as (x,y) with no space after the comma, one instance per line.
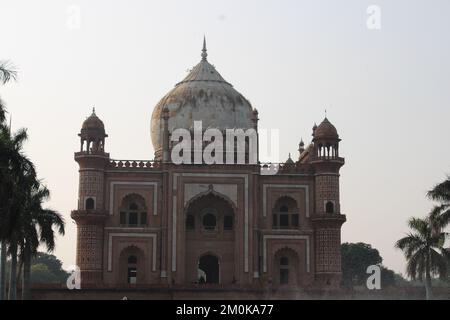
(211,224)
(209,269)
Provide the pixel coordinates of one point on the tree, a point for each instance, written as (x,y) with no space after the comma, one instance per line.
(40,273)
(388,277)
(7,72)
(422,249)
(440,215)
(53,273)
(18,176)
(37,228)
(356,257)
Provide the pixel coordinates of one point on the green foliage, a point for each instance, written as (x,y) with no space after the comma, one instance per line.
(41,274)
(388,278)
(422,248)
(440,215)
(46,268)
(24,223)
(356,257)
(7,72)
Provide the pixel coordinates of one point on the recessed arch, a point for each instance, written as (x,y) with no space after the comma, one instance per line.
(329,207)
(89,203)
(211,192)
(209,268)
(201,211)
(132,265)
(285,267)
(133,211)
(285,213)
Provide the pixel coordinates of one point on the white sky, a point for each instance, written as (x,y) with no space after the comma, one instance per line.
(387,91)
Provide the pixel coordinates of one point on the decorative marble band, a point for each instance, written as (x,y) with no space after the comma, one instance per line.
(153,236)
(133,183)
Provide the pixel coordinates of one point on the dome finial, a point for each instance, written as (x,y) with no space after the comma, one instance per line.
(93,110)
(204,53)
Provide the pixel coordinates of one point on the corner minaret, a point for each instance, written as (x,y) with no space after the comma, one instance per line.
(327,218)
(90,215)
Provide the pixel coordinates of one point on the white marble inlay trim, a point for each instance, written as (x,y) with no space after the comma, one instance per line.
(133,183)
(287,237)
(287,186)
(246,212)
(227,189)
(153,236)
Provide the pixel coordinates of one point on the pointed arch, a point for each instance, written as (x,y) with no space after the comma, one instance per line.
(209,192)
(285,266)
(132,265)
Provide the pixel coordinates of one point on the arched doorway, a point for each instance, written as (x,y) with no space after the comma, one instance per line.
(209,269)
(211,226)
(285,270)
(132,266)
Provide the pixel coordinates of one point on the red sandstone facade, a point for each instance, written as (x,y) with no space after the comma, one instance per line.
(160,224)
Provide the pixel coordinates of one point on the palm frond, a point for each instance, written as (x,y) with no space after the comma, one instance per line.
(410,244)
(438,264)
(441,191)
(2,111)
(7,72)
(420,225)
(415,267)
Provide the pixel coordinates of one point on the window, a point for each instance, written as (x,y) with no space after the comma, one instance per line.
(285,214)
(284,276)
(132,275)
(133,212)
(132,270)
(228,222)
(132,259)
(294,220)
(90,204)
(284,220)
(329,207)
(284,270)
(132,218)
(123,218)
(190,222)
(209,221)
(143,220)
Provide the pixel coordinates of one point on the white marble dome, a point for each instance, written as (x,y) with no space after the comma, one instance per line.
(203,95)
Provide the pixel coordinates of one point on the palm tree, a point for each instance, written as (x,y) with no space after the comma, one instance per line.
(421,248)
(37,229)
(17,176)
(440,215)
(6,73)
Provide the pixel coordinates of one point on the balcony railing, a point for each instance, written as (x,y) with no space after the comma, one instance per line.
(139,164)
(265,168)
(280,168)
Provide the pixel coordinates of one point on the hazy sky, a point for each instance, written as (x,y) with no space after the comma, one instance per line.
(387,91)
